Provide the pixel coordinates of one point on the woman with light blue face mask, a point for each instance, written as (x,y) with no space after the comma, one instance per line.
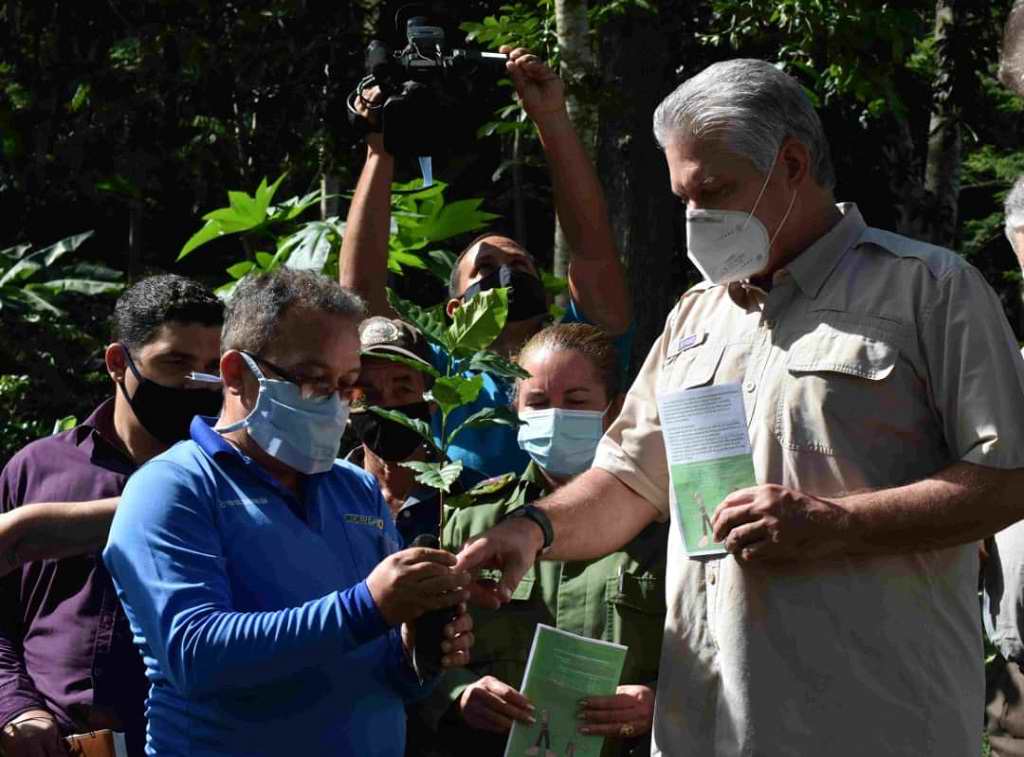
(572,396)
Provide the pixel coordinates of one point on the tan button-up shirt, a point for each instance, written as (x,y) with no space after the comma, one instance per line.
(873,361)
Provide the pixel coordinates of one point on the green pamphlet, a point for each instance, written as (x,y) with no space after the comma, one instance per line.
(708,449)
(562,669)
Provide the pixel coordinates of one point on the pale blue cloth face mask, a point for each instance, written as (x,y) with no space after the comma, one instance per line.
(562,442)
(303,433)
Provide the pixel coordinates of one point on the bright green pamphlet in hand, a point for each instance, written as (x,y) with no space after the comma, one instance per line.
(562,669)
(708,450)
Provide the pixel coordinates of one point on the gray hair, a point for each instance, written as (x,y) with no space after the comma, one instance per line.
(1013,209)
(752,106)
(1011,57)
(259,302)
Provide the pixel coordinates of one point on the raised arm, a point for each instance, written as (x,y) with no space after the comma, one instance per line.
(597,280)
(363,262)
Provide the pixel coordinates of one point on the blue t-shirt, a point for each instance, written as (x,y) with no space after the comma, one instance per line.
(251,610)
(494,450)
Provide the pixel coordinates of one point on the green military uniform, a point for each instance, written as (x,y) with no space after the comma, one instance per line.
(618,598)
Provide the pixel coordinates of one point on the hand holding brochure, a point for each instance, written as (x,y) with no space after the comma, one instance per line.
(708,448)
(562,669)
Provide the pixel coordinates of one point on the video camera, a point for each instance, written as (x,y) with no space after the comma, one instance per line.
(421,86)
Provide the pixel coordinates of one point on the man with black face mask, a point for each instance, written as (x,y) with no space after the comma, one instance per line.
(597,281)
(67,664)
(384,443)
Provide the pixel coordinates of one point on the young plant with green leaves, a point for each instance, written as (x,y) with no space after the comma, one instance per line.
(32,282)
(274,235)
(465,340)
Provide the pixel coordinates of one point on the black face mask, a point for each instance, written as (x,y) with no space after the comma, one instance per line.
(167,411)
(387,439)
(526,296)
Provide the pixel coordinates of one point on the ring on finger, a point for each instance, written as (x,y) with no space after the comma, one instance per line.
(627,730)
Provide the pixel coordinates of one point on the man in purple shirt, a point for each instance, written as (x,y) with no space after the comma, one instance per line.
(67,663)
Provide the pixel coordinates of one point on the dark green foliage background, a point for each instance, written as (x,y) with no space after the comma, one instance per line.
(134,119)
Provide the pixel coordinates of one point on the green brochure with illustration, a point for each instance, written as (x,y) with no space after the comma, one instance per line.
(708,449)
(562,669)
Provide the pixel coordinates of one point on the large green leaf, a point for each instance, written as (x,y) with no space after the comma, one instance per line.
(450,392)
(265,194)
(496,365)
(210,231)
(436,475)
(478,322)
(80,286)
(17,252)
(246,207)
(50,255)
(431,321)
(457,218)
(415,424)
(32,301)
(489,416)
(21,271)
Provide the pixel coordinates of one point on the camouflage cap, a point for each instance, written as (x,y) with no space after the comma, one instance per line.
(379,334)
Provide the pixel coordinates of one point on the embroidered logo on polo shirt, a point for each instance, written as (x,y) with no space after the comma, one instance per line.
(365,520)
(243,502)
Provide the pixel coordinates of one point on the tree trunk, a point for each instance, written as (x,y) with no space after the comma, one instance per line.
(330,186)
(636,75)
(942,170)
(577,63)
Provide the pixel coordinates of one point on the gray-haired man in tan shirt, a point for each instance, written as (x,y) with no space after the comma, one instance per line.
(885,404)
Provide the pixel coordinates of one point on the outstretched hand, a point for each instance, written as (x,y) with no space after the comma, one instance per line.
(540,90)
(511,547)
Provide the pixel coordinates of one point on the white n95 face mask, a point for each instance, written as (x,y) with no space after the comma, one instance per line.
(303,433)
(562,442)
(730,245)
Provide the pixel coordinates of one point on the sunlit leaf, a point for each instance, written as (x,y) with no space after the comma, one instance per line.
(79,286)
(450,392)
(430,321)
(210,231)
(436,475)
(66,423)
(238,270)
(477,323)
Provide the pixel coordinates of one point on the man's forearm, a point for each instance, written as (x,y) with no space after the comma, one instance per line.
(363,262)
(594,515)
(54,530)
(960,504)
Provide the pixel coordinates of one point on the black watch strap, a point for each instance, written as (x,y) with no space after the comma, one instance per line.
(540,518)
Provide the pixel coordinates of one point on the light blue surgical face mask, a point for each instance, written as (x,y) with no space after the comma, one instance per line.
(562,442)
(301,432)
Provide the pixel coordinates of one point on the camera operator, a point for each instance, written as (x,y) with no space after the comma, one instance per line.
(597,282)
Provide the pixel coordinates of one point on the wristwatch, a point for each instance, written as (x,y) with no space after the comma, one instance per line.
(539,517)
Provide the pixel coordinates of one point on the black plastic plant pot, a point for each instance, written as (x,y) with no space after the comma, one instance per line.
(430,626)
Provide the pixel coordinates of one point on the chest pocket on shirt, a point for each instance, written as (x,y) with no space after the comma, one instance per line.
(836,394)
(692,368)
(636,618)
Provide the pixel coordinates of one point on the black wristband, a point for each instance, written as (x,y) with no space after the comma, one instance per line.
(540,518)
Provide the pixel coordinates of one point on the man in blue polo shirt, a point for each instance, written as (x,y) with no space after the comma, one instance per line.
(261,576)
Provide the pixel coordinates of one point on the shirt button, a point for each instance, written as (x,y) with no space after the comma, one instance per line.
(711,579)
(749,386)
